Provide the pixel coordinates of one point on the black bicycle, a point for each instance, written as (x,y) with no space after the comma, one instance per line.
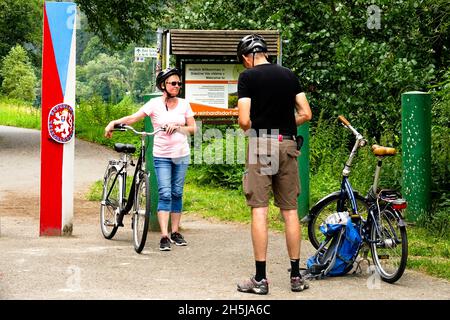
(378,215)
(115,205)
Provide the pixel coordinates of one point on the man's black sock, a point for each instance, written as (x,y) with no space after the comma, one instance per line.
(295,268)
(260,270)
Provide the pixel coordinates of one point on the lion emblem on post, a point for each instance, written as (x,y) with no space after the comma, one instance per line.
(61,123)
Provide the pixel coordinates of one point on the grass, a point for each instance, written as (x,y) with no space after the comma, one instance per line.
(19,114)
(224,204)
(429,251)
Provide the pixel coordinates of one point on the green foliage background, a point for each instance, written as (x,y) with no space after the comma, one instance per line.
(19,80)
(354,58)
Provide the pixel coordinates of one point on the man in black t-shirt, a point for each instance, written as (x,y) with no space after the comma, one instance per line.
(271,105)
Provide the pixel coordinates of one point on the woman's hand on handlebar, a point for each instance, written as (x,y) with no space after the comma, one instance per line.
(171,128)
(109,129)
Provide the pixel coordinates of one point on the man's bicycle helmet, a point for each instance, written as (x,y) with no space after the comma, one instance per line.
(251,43)
(164,74)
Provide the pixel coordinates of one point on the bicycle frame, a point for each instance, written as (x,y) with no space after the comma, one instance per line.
(125,204)
(140,167)
(346,188)
(347,192)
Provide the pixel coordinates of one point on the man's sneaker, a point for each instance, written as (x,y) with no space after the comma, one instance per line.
(298,284)
(164,244)
(253,286)
(178,239)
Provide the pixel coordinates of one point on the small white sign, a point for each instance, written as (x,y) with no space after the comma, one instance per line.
(143,52)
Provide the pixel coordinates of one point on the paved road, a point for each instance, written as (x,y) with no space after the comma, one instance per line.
(87,266)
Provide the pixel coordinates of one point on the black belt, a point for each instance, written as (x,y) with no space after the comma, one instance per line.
(279,137)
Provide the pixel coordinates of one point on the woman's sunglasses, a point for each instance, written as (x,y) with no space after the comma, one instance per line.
(174,83)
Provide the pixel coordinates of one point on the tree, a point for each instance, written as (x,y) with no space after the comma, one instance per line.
(19,80)
(121,22)
(21,23)
(346,63)
(106,76)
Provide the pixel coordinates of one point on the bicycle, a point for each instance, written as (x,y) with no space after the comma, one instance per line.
(114,205)
(378,216)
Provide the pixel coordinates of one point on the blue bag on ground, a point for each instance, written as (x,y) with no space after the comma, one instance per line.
(338,252)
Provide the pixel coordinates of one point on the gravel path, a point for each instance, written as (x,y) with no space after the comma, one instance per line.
(87,266)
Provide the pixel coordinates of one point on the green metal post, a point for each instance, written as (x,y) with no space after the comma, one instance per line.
(416,153)
(303,168)
(154,224)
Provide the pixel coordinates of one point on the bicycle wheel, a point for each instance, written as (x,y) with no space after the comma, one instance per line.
(110,208)
(389,246)
(326,207)
(141,215)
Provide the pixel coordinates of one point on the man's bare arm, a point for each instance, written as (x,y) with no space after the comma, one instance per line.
(244,113)
(303,111)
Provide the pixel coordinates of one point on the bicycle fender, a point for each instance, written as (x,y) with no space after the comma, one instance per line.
(401,221)
(318,204)
(331,195)
(313,209)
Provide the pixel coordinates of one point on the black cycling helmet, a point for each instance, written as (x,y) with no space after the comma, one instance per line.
(251,43)
(164,74)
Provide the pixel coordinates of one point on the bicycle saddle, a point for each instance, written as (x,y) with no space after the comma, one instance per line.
(125,148)
(383,151)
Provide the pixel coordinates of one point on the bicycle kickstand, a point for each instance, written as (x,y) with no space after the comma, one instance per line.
(364,258)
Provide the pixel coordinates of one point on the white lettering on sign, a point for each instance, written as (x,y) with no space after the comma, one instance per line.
(143,52)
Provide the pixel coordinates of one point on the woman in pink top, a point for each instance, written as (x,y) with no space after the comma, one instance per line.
(171,151)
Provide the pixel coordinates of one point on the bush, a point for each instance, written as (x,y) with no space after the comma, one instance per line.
(19,80)
(222,163)
(92,116)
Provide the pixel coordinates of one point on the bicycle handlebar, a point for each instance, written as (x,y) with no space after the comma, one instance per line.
(360,142)
(124,127)
(347,124)
(343,120)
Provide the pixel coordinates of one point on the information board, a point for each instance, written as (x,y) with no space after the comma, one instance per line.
(212,88)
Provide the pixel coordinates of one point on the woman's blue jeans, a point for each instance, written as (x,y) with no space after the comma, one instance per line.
(170,174)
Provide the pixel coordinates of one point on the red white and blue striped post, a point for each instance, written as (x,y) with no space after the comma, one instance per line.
(57,122)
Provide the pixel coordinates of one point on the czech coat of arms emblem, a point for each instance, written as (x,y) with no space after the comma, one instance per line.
(61,123)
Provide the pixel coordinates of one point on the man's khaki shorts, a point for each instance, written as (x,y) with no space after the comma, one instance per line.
(271,166)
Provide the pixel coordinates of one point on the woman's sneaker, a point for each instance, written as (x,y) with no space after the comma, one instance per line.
(164,244)
(178,239)
(253,286)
